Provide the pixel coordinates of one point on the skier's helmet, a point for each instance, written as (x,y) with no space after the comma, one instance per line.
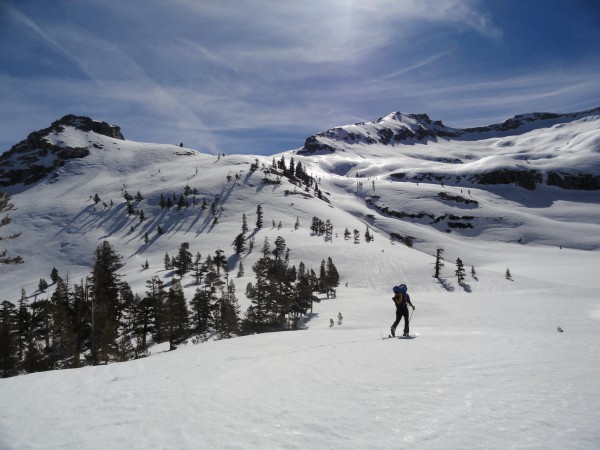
(396,289)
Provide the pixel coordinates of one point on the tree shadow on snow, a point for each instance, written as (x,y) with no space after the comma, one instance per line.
(465,286)
(446,284)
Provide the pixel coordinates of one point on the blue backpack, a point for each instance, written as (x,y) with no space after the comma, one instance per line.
(400,294)
(400,288)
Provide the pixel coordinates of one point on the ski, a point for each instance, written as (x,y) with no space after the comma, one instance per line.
(410,336)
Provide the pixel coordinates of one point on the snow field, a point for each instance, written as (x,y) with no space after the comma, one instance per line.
(481,373)
(488,369)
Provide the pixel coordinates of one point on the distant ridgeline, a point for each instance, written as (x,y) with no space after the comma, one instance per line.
(39,155)
(44,151)
(410,129)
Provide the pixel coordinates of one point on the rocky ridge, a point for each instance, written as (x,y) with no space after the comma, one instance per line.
(38,155)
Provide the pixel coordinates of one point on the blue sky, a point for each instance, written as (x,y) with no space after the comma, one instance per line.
(260,76)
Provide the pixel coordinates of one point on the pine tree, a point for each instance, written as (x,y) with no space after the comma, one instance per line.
(314,287)
(332,278)
(42,285)
(54,275)
(201,310)
(8,340)
(297,224)
(182,263)
(259,217)
(197,268)
(33,360)
(473,274)
(143,315)
(460,270)
(261,315)
(239,244)
(23,318)
(438,262)
(156,298)
(5,207)
(507,275)
(182,202)
(279,248)
(220,261)
(227,321)
(368,236)
(328,230)
(126,318)
(244,224)
(240,273)
(105,307)
(177,315)
(81,309)
(147,312)
(315,225)
(302,296)
(62,333)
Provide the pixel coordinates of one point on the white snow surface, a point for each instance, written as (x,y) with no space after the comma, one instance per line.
(487,369)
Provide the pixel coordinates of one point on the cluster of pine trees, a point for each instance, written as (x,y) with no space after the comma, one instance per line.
(460,272)
(100,319)
(295,173)
(81,318)
(281,293)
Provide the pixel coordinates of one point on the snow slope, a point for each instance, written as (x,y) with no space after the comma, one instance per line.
(488,368)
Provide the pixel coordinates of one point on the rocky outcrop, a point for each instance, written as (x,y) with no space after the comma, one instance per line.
(35,157)
(524,178)
(86,124)
(312,145)
(581,181)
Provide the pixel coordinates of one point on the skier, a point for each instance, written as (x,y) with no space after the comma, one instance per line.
(402,300)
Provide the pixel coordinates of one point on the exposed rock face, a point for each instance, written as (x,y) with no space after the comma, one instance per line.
(312,145)
(35,157)
(86,124)
(524,178)
(582,181)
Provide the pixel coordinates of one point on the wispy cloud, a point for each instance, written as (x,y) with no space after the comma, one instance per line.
(233,75)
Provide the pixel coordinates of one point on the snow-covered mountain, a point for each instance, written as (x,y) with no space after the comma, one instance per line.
(488,368)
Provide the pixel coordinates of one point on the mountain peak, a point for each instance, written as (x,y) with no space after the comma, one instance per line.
(87,124)
(408,129)
(395,128)
(41,153)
